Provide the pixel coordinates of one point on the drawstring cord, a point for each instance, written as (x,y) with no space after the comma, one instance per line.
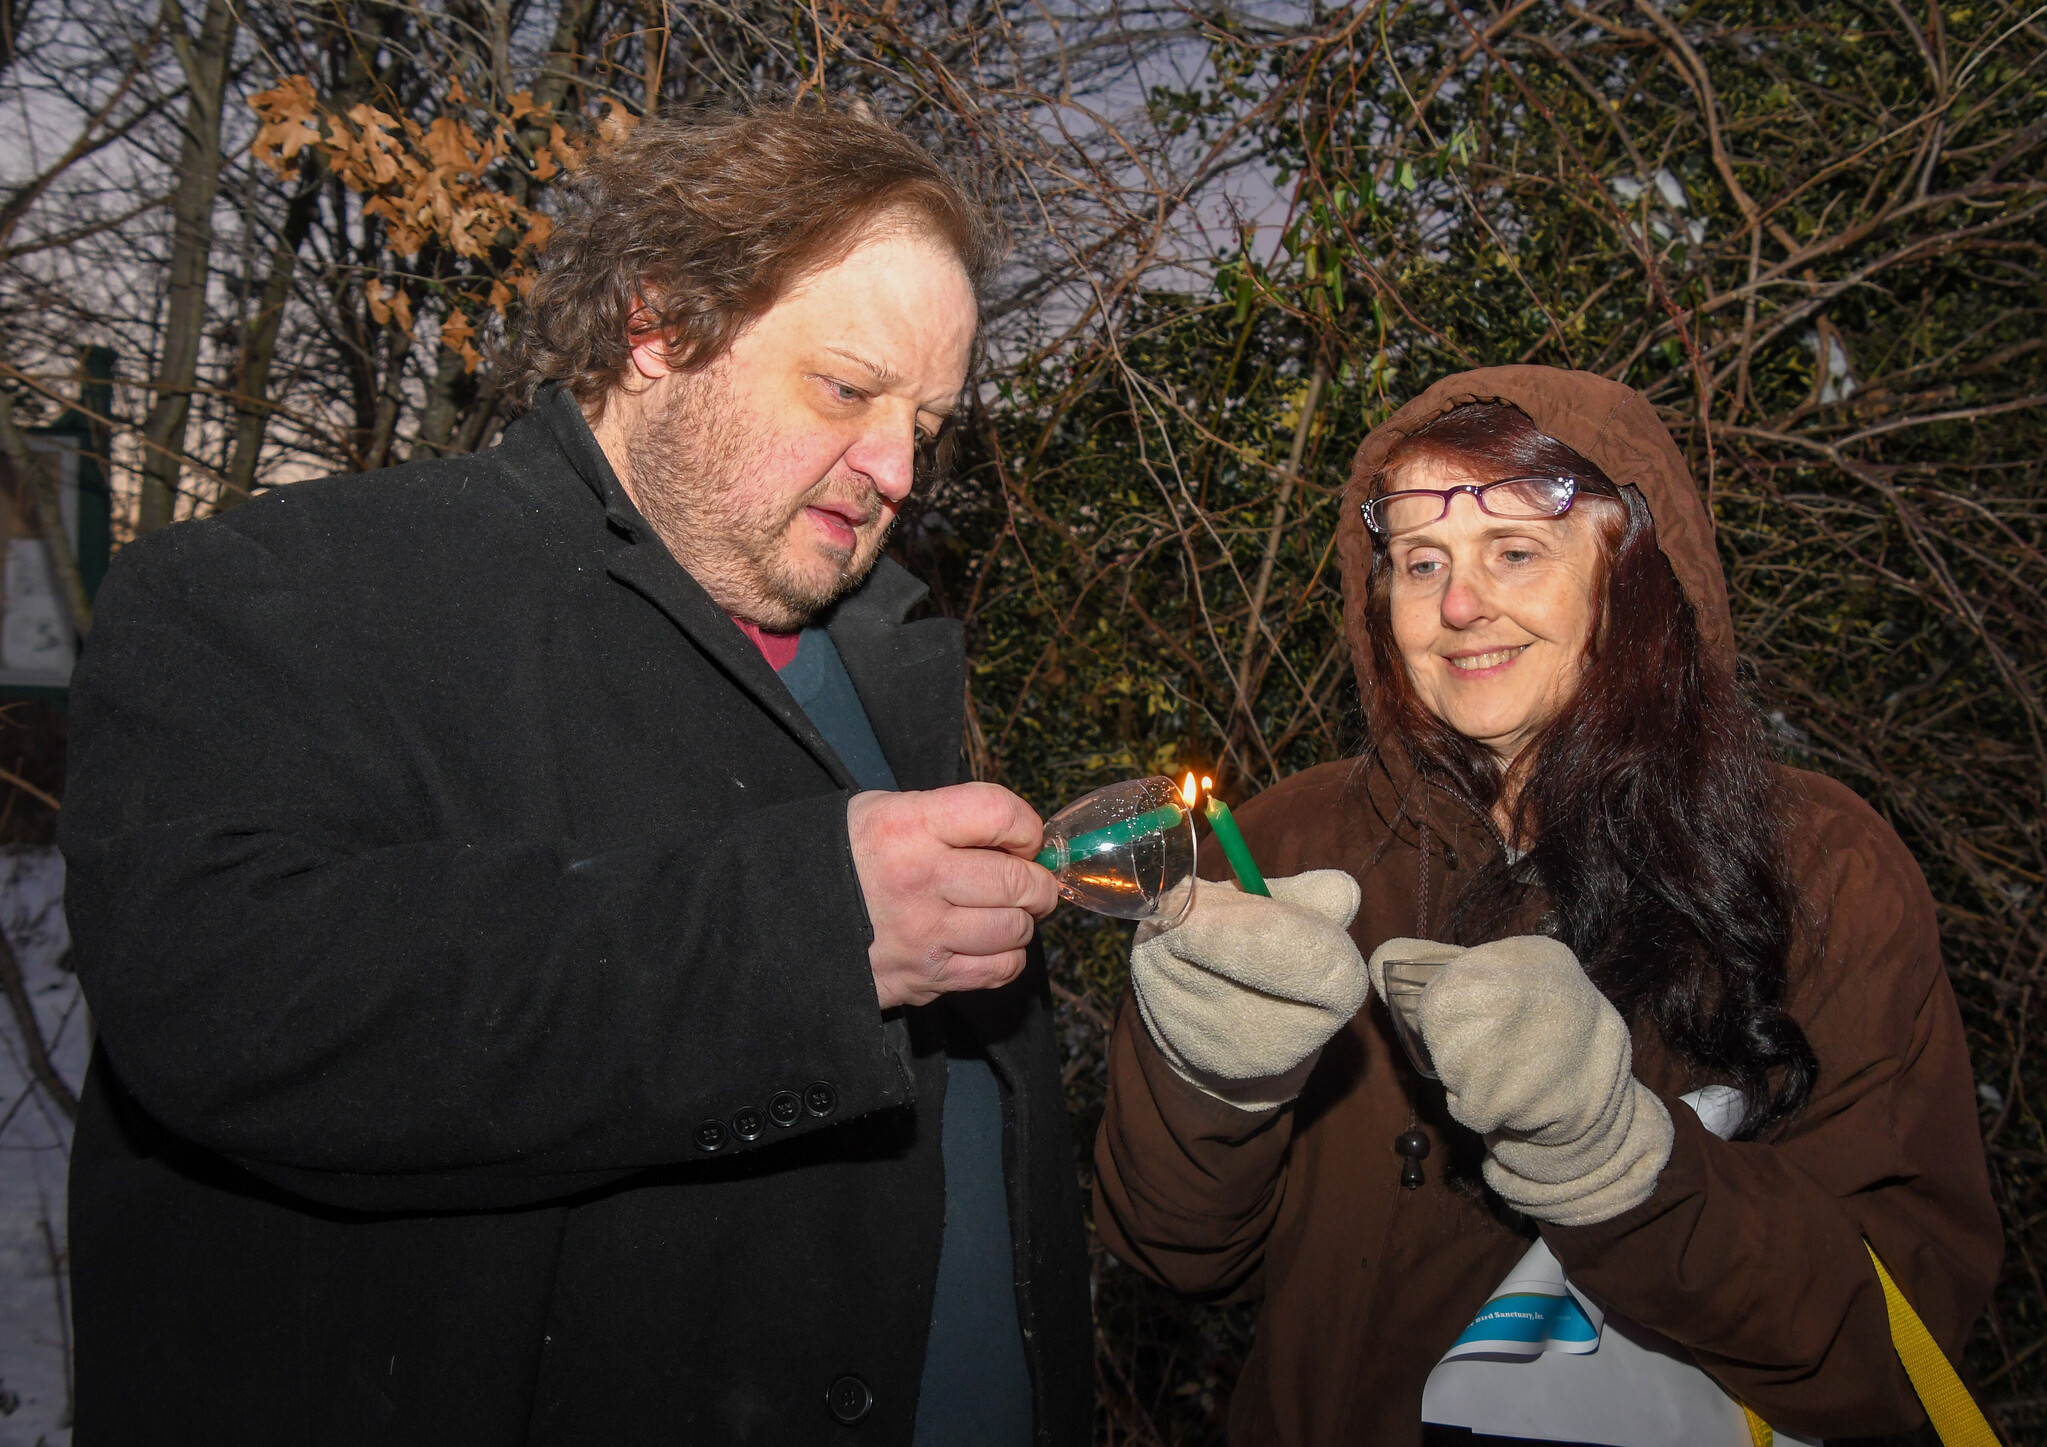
(1411,1145)
(1421,883)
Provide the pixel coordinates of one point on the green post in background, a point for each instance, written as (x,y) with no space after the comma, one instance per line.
(87,421)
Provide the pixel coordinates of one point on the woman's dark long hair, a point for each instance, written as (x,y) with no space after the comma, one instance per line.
(1647,805)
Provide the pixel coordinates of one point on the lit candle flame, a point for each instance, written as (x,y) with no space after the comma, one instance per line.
(1207,784)
(1190,791)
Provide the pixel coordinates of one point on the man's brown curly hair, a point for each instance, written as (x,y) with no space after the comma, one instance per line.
(693,226)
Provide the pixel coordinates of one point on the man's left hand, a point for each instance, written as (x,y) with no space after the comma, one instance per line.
(951,888)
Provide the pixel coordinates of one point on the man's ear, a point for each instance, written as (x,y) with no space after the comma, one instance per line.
(650,358)
(650,351)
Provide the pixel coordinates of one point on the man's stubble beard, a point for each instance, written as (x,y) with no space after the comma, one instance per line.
(687,457)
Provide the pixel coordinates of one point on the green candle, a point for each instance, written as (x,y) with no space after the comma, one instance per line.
(1234,848)
(1110,836)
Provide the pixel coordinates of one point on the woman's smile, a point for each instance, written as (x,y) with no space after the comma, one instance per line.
(1488,664)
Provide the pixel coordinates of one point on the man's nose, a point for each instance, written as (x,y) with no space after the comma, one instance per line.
(886,455)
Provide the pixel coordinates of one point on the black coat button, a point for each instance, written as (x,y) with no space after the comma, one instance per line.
(820,1099)
(748,1124)
(849,1398)
(784,1107)
(711,1136)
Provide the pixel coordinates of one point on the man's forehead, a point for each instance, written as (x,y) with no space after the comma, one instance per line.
(891,255)
(896,317)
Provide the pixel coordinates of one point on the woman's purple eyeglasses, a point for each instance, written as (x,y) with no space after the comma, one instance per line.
(1524,499)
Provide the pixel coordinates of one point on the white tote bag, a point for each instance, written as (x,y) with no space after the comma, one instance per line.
(1540,1360)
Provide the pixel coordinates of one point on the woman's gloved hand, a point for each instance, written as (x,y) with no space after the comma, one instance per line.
(1243,993)
(1538,1062)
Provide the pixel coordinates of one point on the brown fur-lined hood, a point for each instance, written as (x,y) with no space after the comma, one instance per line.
(1612,424)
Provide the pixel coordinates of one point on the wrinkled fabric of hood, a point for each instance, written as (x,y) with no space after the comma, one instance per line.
(1606,421)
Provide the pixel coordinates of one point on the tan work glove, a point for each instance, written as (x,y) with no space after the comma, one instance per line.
(1242,994)
(1538,1062)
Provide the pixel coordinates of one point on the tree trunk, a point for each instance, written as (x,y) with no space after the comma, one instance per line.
(390,400)
(205,62)
(259,347)
(443,405)
(476,427)
(571,33)
(572,24)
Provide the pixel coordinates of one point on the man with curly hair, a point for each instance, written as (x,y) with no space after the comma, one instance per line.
(552,983)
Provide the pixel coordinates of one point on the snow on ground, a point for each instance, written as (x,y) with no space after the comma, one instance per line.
(35,1137)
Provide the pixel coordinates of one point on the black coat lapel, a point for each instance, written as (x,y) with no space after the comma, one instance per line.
(646,566)
(648,570)
(911,677)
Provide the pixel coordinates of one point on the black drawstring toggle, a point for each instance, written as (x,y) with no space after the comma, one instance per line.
(1412,1147)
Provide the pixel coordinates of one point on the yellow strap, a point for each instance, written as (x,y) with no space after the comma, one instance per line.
(1949,1407)
(1953,1412)
(1758,1430)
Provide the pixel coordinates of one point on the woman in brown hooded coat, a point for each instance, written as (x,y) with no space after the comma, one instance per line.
(1748,1253)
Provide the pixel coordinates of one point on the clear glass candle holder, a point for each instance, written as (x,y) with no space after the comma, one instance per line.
(1405,981)
(1126,851)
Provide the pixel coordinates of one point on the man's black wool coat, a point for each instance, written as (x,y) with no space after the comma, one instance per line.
(488,1050)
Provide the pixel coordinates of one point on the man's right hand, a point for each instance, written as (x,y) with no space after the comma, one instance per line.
(952,890)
